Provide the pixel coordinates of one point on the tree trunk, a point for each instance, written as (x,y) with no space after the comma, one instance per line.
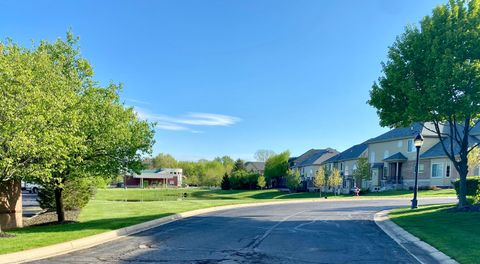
(462,192)
(59,204)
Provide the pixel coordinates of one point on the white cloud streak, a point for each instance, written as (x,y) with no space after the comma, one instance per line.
(166,122)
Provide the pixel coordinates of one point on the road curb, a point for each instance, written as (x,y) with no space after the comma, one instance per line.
(410,242)
(91,241)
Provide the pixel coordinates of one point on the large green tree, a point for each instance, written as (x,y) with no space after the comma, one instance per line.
(276,167)
(432,74)
(78,128)
(163,161)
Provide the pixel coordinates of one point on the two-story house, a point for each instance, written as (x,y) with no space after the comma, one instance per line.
(255,166)
(308,164)
(346,163)
(392,156)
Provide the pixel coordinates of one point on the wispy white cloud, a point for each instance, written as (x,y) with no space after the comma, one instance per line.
(131,100)
(183,123)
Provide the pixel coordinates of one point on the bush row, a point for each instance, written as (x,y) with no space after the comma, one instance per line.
(473,187)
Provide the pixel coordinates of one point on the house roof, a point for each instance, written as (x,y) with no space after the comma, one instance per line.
(437,149)
(396,157)
(426,129)
(353,152)
(318,157)
(258,165)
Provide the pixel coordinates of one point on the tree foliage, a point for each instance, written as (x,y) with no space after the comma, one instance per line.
(362,172)
(320,180)
(244,180)
(226,182)
(335,179)
(263,154)
(432,74)
(293,180)
(64,126)
(163,160)
(261,182)
(206,172)
(239,165)
(276,166)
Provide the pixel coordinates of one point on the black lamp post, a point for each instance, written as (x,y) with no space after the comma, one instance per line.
(418,141)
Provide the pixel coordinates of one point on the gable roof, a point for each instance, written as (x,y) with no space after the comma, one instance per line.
(437,150)
(317,158)
(353,152)
(258,165)
(396,157)
(296,161)
(426,129)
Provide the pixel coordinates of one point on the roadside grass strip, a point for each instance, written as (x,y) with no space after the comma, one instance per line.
(456,234)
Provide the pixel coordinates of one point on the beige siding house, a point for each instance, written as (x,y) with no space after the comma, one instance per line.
(392,156)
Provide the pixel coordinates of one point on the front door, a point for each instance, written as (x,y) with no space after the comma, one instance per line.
(395,172)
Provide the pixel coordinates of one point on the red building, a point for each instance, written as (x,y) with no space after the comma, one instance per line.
(155,178)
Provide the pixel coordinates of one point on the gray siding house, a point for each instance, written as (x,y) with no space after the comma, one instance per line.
(346,163)
(309,163)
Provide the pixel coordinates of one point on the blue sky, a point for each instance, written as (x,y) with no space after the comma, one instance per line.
(231,77)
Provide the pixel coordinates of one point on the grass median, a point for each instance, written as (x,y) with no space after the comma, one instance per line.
(456,234)
(116,208)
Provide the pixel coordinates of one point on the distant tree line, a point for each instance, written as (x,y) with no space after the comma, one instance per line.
(229,174)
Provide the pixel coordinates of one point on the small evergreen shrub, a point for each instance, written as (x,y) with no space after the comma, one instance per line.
(226,182)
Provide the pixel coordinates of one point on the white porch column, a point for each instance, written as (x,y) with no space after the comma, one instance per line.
(141,183)
(396,172)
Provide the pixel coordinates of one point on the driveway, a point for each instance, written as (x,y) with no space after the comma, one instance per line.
(30,204)
(323,232)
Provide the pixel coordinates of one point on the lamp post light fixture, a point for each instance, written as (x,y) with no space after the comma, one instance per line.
(418,141)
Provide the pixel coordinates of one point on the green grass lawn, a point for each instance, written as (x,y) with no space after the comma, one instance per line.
(456,234)
(111,210)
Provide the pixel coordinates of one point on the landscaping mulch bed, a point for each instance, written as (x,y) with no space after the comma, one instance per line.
(50,218)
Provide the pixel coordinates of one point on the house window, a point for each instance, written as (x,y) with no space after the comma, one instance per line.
(385,172)
(385,154)
(354,167)
(421,168)
(437,170)
(372,157)
(410,146)
(400,143)
(346,169)
(447,171)
(341,166)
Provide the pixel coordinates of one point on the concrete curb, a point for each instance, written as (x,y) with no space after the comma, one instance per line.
(420,250)
(91,241)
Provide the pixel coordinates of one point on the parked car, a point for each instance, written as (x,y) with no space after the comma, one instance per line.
(31,187)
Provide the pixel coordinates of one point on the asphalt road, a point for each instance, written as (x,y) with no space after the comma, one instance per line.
(323,232)
(30,204)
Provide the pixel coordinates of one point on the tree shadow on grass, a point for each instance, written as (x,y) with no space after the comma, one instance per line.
(101,225)
(433,208)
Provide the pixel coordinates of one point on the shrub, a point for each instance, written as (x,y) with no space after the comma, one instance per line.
(243,180)
(261,183)
(473,185)
(225,182)
(293,180)
(76,194)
